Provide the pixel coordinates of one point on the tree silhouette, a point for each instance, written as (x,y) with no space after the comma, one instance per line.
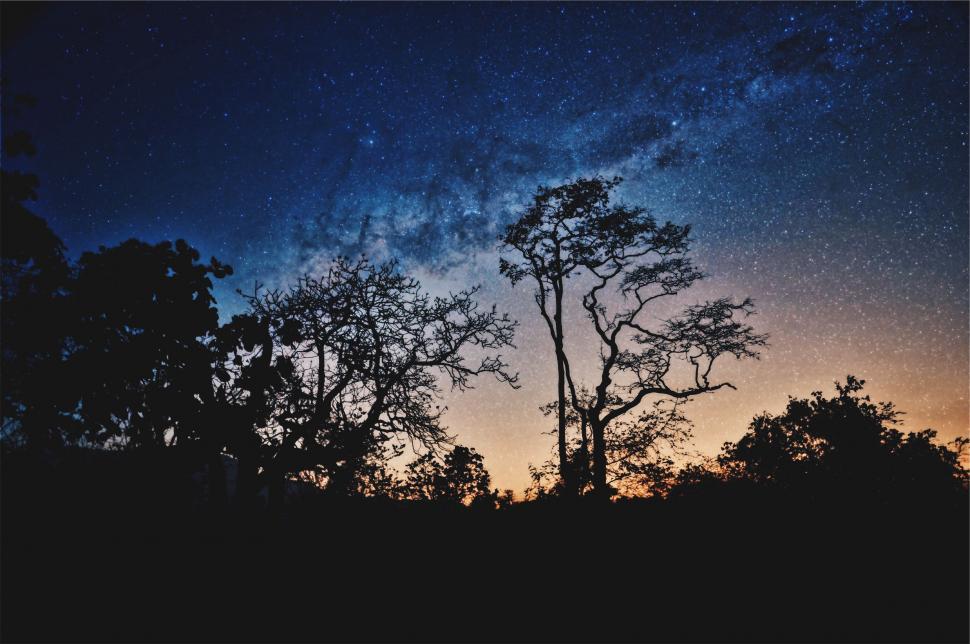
(459,477)
(844,445)
(549,236)
(364,348)
(574,229)
(248,388)
(110,351)
(34,276)
(144,316)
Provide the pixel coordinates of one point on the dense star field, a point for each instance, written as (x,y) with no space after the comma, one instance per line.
(820,152)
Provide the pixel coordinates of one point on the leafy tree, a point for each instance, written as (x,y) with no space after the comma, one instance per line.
(144,315)
(842,445)
(459,477)
(573,230)
(248,389)
(505,499)
(366,347)
(113,351)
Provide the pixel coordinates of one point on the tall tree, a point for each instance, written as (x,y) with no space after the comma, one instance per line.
(144,316)
(632,262)
(549,239)
(368,346)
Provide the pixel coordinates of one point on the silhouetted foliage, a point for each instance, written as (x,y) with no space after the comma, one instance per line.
(112,351)
(140,351)
(33,280)
(845,445)
(459,477)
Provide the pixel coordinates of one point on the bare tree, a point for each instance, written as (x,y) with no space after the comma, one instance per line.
(550,239)
(574,229)
(367,347)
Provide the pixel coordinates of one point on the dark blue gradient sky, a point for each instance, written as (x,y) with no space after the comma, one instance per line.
(820,150)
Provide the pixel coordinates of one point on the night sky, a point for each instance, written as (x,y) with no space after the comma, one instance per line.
(820,151)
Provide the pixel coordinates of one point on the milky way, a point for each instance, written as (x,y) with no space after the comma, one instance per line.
(820,151)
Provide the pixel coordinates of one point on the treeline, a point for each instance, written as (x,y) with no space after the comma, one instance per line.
(328,381)
(332,379)
(846,448)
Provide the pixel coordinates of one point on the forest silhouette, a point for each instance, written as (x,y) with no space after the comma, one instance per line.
(285,475)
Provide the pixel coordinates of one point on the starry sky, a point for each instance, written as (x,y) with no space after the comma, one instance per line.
(819,150)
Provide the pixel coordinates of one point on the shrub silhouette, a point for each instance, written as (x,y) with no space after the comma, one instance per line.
(459,477)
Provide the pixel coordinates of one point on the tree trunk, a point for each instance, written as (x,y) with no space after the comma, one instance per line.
(600,487)
(566,473)
(582,475)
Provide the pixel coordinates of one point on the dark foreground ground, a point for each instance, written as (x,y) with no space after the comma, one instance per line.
(96,559)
